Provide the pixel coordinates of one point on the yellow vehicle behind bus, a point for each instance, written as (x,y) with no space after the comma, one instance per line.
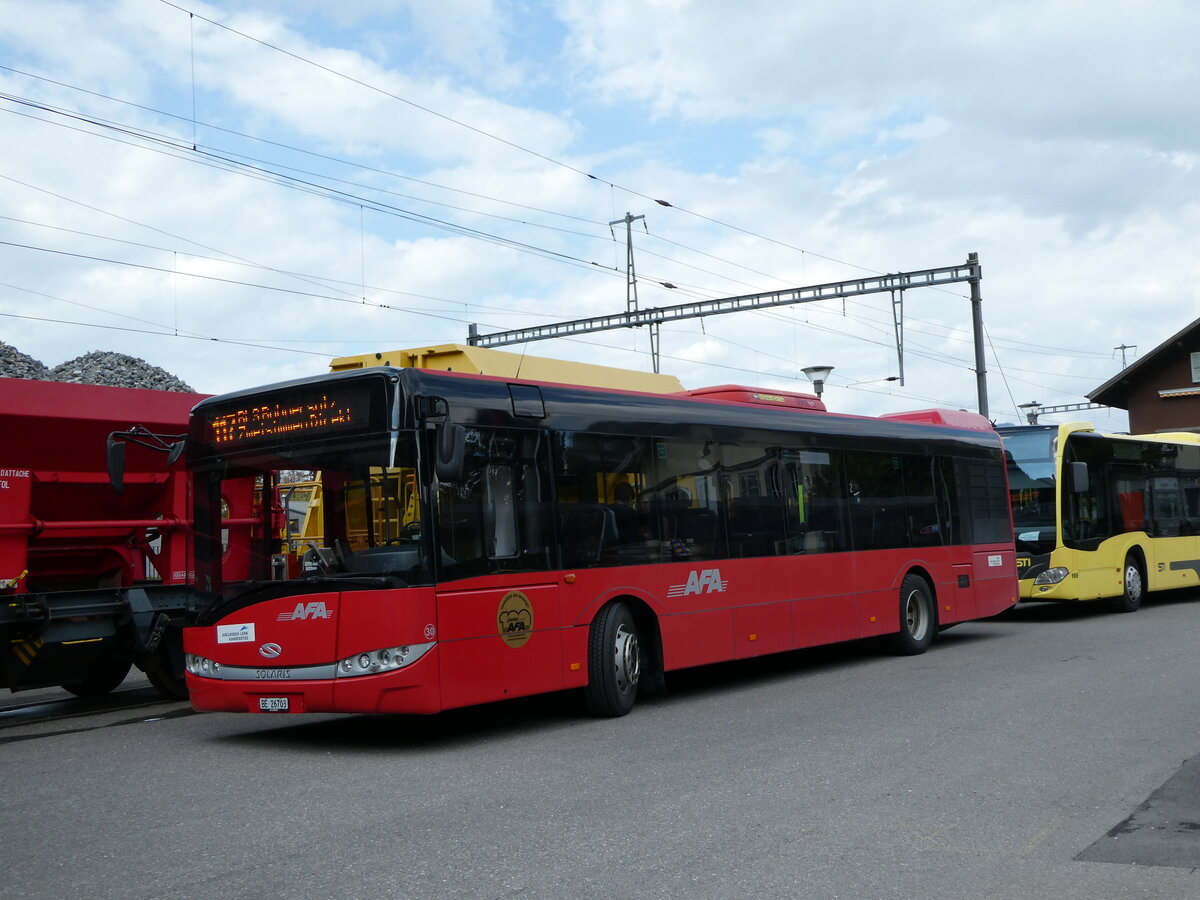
(1103,516)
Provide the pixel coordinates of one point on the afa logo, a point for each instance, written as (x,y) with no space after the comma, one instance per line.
(514,619)
(303,611)
(700,581)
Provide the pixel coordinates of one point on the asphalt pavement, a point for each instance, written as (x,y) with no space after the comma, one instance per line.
(1052,752)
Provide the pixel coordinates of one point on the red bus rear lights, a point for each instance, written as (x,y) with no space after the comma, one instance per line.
(386,660)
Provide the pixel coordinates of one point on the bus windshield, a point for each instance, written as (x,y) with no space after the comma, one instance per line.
(1030,453)
(343,510)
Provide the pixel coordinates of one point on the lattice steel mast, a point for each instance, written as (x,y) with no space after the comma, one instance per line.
(970,272)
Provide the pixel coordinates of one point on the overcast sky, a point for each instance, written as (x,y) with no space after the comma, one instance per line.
(238,192)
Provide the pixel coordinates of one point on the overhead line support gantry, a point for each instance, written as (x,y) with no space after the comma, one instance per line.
(969,272)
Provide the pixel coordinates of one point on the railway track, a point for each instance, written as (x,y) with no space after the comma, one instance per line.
(49,712)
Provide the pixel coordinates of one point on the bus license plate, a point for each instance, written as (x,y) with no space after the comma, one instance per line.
(272,704)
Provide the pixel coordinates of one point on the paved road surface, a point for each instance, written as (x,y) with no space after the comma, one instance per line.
(1043,754)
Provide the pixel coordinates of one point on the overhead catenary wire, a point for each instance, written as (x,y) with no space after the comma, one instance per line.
(502,140)
(388,173)
(322,280)
(272,172)
(591,176)
(165,332)
(349,298)
(677,285)
(701,291)
(233,281)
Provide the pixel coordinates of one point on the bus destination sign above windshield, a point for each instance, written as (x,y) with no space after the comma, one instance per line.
(291,416)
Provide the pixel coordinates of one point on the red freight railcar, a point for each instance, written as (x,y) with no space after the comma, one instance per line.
(90,580)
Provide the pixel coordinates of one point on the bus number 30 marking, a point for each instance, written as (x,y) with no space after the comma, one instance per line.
(272,674)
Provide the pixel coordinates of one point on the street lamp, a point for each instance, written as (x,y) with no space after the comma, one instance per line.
(817,375)
(1033,409)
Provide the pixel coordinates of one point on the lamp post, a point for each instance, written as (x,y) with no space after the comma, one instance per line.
(817,375)
(1033,409)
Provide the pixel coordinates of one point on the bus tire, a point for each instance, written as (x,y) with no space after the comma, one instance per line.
(614,662)
(918,619)
(1133,584)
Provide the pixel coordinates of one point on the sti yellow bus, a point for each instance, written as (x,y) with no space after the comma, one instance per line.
(1102,516)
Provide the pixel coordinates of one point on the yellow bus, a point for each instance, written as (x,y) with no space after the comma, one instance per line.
(1103,516)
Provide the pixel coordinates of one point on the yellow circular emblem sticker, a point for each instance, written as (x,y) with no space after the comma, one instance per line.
(514,618)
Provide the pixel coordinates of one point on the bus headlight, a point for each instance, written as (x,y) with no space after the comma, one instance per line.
(388,659)
(1052,576)
(202,666)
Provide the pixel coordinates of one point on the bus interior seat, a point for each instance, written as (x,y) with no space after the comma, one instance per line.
(586,528)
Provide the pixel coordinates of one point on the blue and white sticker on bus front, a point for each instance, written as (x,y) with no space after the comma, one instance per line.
(994,561)
(235,634)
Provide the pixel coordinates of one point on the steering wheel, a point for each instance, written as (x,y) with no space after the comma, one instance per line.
(409,533)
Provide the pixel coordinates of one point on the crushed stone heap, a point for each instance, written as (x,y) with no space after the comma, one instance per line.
(116,370)
(15,364)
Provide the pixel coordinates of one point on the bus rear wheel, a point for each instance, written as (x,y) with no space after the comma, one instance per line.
(1134,587)
(614,662)
(918,620)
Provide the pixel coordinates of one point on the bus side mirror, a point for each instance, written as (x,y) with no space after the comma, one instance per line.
(116,464)
(1077,477)
(451,451)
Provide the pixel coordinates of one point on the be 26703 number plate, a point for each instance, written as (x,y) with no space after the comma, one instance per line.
(273,704)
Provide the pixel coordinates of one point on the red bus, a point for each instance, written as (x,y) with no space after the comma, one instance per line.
(486,538)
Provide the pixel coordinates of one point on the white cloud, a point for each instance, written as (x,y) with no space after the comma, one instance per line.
(835,140)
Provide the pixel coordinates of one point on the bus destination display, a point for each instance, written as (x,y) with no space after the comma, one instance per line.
(299,415)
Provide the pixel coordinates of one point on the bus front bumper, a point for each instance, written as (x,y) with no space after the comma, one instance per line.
(412,690)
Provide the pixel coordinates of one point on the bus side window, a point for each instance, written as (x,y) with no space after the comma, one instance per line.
(875,489)
(946,497)
(494,518)
(606,514)
(1161,482)
(685,475)
(756,505)
(924,525)
(983,502)
(500,512)
(813,501)
(1187,464)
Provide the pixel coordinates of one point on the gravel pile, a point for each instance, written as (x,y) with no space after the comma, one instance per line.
(116,370)
(98,367)
(15,364)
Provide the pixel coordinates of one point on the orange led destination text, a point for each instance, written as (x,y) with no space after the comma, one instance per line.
(278,419)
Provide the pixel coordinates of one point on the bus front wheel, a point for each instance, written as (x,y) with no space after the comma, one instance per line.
(614,662)
(918,619)
(1133,587)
